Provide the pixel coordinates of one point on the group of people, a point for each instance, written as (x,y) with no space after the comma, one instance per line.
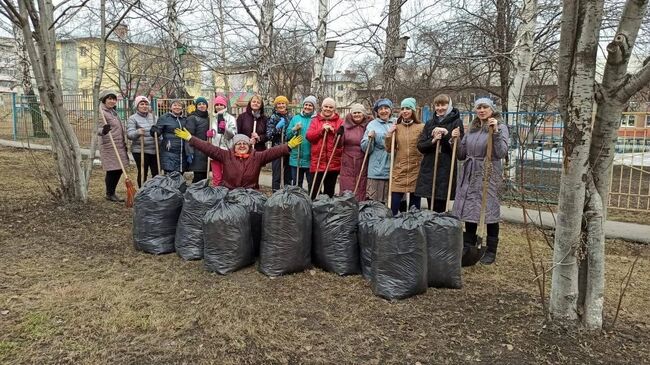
(375,156)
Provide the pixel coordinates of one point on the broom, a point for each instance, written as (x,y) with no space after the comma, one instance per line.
(130,189)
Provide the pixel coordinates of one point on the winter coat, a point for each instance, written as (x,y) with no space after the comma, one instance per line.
(315,137)
(272,133)
(352,158)
(467,205)
(135,122)
(407,157)
(245,122)
(240,172)
(224,140)
(305,146)
(110,161)
(172,148)
(378,158)
(428,150)
(198,127)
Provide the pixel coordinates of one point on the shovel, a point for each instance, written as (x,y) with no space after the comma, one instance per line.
(339,133)
(363,165)
(435,174)
(451,174)
(320,154)
(473,254)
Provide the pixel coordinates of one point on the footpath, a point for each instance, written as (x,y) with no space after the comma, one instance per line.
(613,229)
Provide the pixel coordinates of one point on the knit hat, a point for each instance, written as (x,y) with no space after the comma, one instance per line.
(408,103)
(139,99)
(200,99)
(220,100)
(311,100)
(105,94)
(485,101)
(357,108)
(382,102)
(240,138)
(329,101)
(281,99)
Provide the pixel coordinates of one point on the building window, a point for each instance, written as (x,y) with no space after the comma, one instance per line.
(339,99)
(84,73)
(85,93)
(627,120)
(83,51)
(339,88)
(647,120)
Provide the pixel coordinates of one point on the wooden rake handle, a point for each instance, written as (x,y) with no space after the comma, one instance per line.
(487,171)
(451,173)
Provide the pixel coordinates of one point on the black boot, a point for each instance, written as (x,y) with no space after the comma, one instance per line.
(471,253)
(491,253)
(114,198)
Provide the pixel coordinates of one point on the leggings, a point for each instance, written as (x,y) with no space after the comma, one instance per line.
(304,172)
(328,185)
(492,229)
(396,202)
(150,164)
(111,180)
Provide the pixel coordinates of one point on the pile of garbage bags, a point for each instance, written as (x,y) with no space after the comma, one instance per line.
(400,256)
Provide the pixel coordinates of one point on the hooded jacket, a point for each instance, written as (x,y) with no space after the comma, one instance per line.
(172,148)
(245,122)
(305,146)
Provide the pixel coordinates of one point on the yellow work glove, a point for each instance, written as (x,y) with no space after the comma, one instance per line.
(182,133)
(295,141)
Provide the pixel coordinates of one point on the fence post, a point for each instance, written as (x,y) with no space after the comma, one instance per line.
(14,116)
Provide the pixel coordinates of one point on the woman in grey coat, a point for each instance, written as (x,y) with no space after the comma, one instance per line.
(107,127)
(472,150)
(138,127)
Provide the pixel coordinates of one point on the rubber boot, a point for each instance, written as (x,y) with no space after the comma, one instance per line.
(491,253)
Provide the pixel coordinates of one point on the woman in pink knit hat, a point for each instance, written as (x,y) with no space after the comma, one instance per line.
(223,129)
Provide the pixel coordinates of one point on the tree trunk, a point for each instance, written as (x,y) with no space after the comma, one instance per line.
(392,36)
(266,44)
(319,55)
(578,45)
(503,48)
(41,48)
(28,89)
(222,48)
(178,79)
(523,55)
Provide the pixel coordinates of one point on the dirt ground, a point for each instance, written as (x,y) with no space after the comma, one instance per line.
(74,291)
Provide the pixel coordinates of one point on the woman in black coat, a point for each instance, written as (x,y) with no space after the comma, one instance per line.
(254,116)
(198,124)
(445,120)
(172,148)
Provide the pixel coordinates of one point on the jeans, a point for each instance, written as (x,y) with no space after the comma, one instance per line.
(396,201)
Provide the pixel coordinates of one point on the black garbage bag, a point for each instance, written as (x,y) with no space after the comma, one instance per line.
(370,213)
(227,237)
(335,246)
(157,206)
(444,234)
(255,201)
(198,199)
(399,257)
(286,232)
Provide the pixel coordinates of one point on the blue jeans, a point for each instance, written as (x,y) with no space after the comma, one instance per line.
(304,172)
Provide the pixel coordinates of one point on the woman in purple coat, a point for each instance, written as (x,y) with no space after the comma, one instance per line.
(472,149)
(352,158)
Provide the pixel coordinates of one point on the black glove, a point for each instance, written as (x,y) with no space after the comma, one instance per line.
(221,127)
(340,131)
(154,130)
(105,129)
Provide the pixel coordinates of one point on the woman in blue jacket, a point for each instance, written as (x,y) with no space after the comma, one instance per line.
(378,158)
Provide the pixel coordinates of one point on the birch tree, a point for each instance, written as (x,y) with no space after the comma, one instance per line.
(319,54)
(178,79)
(36,22)
(577,291)
(522,55)
(264,24)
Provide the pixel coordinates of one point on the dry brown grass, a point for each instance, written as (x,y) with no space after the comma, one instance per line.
(73,290)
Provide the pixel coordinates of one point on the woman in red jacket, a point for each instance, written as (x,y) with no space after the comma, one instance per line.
(352,158)
(243,163)
(322,131)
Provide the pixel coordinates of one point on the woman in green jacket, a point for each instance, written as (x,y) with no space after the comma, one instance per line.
(300,157)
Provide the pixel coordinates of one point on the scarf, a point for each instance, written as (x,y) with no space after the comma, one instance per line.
(201,114)
(256,113)
(242,155)
(144,115)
